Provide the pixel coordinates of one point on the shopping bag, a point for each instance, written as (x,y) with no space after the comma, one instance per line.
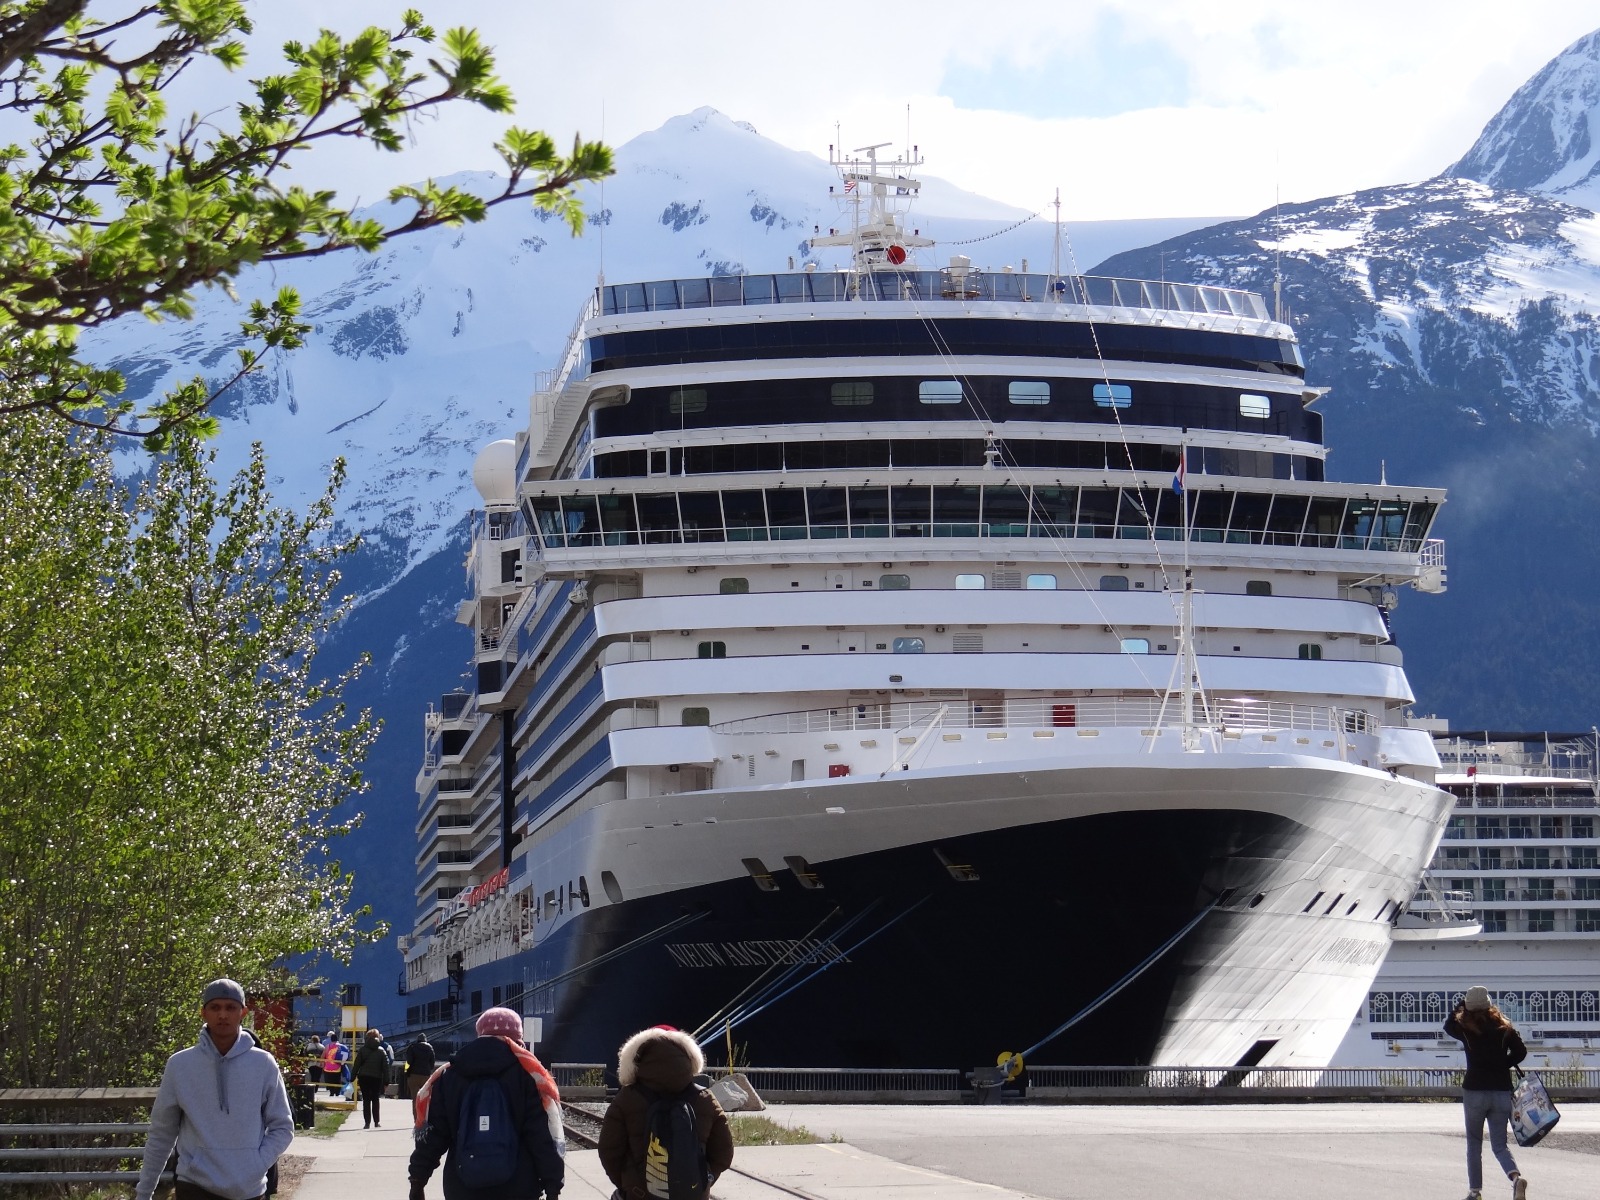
(1533,1114)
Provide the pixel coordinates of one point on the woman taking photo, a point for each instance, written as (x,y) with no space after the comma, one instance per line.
(1493,1047)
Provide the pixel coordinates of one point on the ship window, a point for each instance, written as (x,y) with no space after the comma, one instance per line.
(1258,587)
(939,391)
(1113,583)
(686,400)
(970,583)
(1028,391)
(894,583)
(1310,650)
(1136,645)
(1310,902)
(852,393)
(1041,583)
(1252,405)
(734,585)
(696,716)
(1113,395)
(1494,920)
(713,649)
(1587,920)
(909,645)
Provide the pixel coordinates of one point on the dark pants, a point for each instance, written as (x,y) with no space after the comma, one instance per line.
(193,1191)
(414,1084)
(371,1089)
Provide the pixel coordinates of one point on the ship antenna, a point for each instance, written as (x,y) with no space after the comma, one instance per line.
(1055,255)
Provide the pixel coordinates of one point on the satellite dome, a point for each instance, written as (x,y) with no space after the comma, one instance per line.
(494,473)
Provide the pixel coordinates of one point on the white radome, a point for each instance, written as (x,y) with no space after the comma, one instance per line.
(494,472)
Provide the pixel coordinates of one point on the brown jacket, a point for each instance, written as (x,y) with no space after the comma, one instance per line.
(664,1062)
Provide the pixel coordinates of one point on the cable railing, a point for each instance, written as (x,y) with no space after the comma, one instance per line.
(1129,1084)
(1227,717)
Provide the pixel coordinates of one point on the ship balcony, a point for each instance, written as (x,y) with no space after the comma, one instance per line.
(869,738)
(1230,720)
(1546,799)
(1473,866)
(446,844)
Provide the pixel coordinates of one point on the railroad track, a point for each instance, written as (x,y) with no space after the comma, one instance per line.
(582,1125)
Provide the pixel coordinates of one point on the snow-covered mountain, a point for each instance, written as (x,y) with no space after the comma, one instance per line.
(1547,137)
(1457,321)
(424,352)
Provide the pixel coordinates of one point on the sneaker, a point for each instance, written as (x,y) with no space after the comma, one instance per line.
(1474,1195)
(1519,1188)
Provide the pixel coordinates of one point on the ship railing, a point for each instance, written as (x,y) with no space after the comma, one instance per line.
(1201,303)
(1560,800)
(1086,713)
(1131,1084)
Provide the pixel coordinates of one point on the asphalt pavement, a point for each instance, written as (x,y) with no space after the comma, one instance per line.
(1399,1151)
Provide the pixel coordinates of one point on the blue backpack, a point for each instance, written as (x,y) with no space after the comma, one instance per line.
(487,1145)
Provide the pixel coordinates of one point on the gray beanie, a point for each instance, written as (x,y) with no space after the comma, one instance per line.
(222,989)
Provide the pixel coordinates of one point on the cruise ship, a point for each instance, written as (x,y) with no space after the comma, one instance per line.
(891,664)
(1511,901)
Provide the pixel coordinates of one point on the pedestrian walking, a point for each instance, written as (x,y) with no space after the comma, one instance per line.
(663,1127)
(493,1114)
(371,1068)
(222,1106)
(420,1061)
(1493,1047)
(333,1063)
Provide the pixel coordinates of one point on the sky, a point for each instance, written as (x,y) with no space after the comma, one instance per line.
(1131,108)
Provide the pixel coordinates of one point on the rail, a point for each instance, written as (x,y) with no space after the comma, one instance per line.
(1198,302)
(1140,1084)
(75,1151)
(1228,717)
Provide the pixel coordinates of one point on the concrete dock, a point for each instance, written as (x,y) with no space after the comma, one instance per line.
(1397,1151)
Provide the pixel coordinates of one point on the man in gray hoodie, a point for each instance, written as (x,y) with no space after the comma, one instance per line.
(222,1103)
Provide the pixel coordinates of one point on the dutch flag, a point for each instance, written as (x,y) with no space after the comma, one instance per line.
(1177,479)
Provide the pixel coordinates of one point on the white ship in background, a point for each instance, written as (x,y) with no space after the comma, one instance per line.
(889,664)
(1521,861)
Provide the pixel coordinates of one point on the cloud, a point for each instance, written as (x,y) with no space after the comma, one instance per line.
(1134,108)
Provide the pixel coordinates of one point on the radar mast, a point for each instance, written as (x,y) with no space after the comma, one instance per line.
(876,198)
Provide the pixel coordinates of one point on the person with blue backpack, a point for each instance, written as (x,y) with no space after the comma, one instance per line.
(493,1114)
(664,1137)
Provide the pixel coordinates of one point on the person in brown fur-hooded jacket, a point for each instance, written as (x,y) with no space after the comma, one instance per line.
(653,1064)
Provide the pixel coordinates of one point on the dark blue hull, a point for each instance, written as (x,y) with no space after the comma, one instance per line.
(898,959)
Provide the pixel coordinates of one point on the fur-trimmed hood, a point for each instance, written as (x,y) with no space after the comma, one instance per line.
(663,1060)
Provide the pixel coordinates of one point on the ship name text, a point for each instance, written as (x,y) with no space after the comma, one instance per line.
(755,953)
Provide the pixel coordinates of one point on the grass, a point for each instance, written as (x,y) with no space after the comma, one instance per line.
(764,1131)
(328,1122)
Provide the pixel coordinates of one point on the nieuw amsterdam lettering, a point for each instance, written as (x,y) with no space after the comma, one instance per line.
(1353,950)
(755,953)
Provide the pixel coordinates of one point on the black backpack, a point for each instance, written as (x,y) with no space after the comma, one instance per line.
(675,1158)
(487,1146)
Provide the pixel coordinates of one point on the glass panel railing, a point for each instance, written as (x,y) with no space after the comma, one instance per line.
(972,284)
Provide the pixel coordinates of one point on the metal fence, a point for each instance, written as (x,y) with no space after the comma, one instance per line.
(1116,1085)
